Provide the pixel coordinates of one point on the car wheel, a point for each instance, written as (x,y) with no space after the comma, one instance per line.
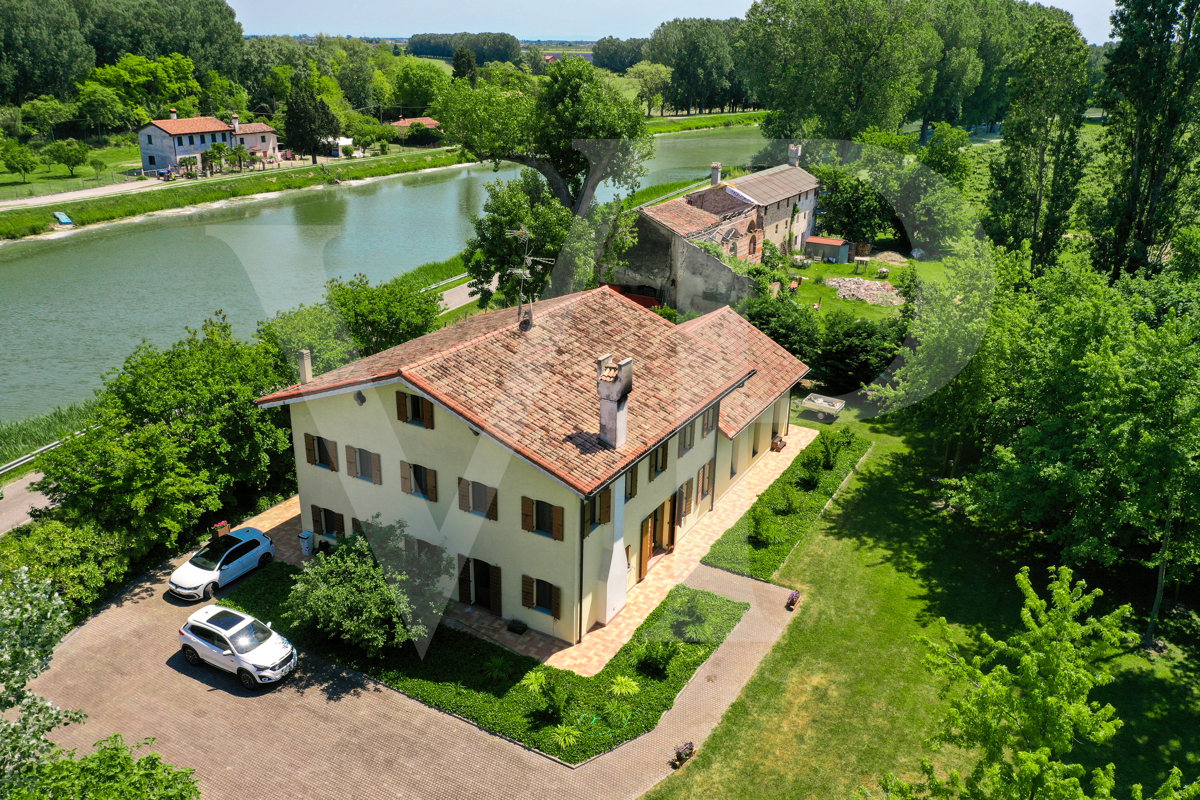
(208,591)
(265,559)
(248,680)
(191,656)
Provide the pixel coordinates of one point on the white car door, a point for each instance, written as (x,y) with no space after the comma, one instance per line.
(224,653)
(236,562)
(212,648)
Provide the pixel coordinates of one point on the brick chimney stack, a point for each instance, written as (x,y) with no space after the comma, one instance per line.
(793,155)
(716,173)
(235,123)
(614,382)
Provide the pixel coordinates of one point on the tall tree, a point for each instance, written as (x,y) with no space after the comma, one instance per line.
(464,66)
(1151,141)
(1035,181)
(618,55)
(310,123)
(42,49)
(700,55)
(958,72)
(833,68)
(571,107)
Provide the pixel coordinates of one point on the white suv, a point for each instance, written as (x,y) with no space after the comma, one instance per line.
(237,643)
(220,561)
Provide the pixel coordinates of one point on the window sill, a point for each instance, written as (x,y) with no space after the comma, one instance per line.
(545,611)
(547,534)
(365,478)
(324,466)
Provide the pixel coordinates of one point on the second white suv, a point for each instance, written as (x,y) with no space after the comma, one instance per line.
(237,643)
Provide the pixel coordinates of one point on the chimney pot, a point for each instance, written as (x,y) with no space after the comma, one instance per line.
(305,367)
(174,114)
(614,383)
(794,155)
(235,123)
(716,173)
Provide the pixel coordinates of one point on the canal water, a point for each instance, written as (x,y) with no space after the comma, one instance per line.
(77,306)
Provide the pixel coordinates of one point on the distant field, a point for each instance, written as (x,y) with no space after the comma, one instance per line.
(50,178)
(701,121)
(444,63)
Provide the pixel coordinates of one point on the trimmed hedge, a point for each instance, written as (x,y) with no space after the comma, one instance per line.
(29,221)
(737,551)
(455,674)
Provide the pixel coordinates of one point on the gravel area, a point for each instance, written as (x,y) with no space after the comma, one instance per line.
(880,293)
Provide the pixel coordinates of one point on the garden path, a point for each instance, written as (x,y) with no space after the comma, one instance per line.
(18,500)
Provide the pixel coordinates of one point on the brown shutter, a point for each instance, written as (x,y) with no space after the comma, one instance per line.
(339,522)
(653,466)
(464,580)
(692,434)
(704,423)
(679,496)
(631,481)
(318,523)
(682,442)
(310,448)
(556,602)
(464,494)
(687,497)
(356,526)
(427,413)
(431,479)
(662,457)
(646,544)
(406,477)
(606,506)
(526,514)
(497,596)
(351,462)
(527,591)
(712,475)
(376,469)
(558,523)
(333,464)
(493,511)
(402,406)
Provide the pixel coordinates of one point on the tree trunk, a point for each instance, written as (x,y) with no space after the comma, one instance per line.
(957,458)
(924,129)
(1148,639)
(314,157)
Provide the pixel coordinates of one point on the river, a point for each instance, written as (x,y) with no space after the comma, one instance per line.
(75,307)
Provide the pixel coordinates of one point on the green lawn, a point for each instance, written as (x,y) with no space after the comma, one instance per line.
(701,121)
(50,178)
(843,698)
(451,677)
(811,291)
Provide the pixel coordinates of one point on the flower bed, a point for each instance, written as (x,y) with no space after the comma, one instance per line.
(736,552)
(481,681)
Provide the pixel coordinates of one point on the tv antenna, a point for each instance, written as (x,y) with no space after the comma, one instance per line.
(525,308)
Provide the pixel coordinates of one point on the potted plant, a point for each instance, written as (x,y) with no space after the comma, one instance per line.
(792,600)
(682,753)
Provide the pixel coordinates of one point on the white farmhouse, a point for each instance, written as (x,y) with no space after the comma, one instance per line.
(164,141)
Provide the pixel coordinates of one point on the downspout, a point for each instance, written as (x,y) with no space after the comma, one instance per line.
(582,538)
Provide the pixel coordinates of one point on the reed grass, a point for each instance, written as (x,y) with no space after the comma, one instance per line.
(21,437)
(703,121)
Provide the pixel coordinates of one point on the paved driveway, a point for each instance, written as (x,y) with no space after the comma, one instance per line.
(328,734)
(18,500)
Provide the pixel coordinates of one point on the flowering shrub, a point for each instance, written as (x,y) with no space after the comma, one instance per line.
(684,751)
(793,598)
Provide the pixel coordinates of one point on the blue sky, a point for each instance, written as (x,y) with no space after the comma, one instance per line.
(533,19)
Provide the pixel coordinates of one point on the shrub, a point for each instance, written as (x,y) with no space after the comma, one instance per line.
(79,561)
(656,656)
(552,689)
(690,623)
(617,714)
(830,445)
(497,668)
(765,529)
(624,686)
(808,466)
(113,769)
(565,736)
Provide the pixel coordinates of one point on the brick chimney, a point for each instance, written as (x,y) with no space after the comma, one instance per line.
(235,123)
(614,382)
(174,114)
(793,155)
(305,367)
(716,173)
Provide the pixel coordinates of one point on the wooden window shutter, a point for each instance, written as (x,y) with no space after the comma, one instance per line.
(351,462)
(526,514)
(557,523)
(402,406)
(631,481)
(333,464)
(712,475)
(464,580)
(662,457)
(527,591)
(310,448)
(493,511)
(692,434)
(606,506)
(464,494)
(427,413)
(431,481)
(497,595)
(653,466)
(556,602)
(405,477)
(687,497)
(682,442)
(647,540)
(318,522)
(339,522)
(680,496)
(376,467)
(356,526)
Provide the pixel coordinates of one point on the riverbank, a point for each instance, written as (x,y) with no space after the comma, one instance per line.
(704,121)
(24,222)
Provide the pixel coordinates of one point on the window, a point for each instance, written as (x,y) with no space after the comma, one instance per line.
(597,509)
(151,160)
(733,457)
(708,422)
(542,602)
(321,452)
(191,140)
(414,409)
(541,596)
(179,141)
(706,477)
(149,139)
(631,483)
(478,497)
(222,137)
(658,461)
(251,637)
(415,479)
(754,432)
(541,517)
(202,138)
(363,464)
(209,556)
(241,140)
(687,438)
(203,634)
(331,522)
(241,550)
(263,139)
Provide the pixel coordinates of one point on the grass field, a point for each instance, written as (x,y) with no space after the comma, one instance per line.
(702,121)
(843,698)
(56,178)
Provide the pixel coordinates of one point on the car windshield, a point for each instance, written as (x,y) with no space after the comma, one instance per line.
(209,556)
(251,637)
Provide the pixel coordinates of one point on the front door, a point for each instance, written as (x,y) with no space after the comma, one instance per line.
(668,517)
(647,546)
(483,583)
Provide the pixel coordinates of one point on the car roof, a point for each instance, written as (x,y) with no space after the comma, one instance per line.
(220,617)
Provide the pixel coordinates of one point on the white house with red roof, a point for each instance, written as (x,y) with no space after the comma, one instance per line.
(164,141)
(555,461)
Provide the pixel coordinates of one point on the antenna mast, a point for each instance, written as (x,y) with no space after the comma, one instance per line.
(524,309)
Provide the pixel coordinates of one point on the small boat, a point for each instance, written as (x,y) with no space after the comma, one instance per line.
(62,218)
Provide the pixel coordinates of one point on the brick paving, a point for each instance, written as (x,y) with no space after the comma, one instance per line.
(602,643)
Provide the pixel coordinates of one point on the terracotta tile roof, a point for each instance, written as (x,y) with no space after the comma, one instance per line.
(186,125)
(535,391)
(774,184)
(777,369)
(255,127)
(428,122)
(677,215)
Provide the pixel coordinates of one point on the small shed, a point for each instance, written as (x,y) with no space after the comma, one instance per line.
(822,247)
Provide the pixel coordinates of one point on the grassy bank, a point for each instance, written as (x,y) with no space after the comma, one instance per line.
(24,436)
(654,192)
(435,271)
(27,222)
(457,673)
(703,121)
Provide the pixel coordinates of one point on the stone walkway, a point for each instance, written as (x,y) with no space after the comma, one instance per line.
(18,500)
(602,643)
